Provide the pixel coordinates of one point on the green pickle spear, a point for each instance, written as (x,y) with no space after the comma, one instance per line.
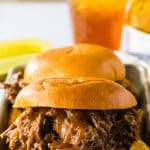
(21,47)
(19,52)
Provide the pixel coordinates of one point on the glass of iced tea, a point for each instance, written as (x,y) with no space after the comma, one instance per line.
(98,21)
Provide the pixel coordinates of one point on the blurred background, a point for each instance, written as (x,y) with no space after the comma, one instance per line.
(50,20)
(44,19)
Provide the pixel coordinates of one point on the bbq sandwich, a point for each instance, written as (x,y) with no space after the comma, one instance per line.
(74,114)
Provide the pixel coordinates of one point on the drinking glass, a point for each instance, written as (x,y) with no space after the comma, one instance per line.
(98,21)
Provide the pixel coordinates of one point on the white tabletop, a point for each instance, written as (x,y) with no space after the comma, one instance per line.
(49,21)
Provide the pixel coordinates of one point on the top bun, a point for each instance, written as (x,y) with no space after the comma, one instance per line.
(81,60)
(95,94)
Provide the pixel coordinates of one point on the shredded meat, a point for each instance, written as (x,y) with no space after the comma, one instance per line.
(14,85)
(51,129)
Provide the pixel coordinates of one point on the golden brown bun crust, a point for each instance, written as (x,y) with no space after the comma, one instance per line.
(98,94)
(81,60)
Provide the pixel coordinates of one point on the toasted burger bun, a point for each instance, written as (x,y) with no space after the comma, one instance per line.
(70,93)
(81,60)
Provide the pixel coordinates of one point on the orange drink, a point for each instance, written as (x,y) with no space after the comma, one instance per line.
(98,21)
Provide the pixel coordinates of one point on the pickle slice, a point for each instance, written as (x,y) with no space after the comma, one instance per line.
(139,145)
(14,114)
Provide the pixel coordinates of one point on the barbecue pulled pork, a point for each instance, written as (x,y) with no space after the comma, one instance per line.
(51,129)
(13,86)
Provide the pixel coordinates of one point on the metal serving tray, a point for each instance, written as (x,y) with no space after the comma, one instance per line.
(136,71)
(4,105)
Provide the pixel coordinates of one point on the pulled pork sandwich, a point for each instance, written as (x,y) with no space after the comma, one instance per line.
(74,114)
(80,60)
